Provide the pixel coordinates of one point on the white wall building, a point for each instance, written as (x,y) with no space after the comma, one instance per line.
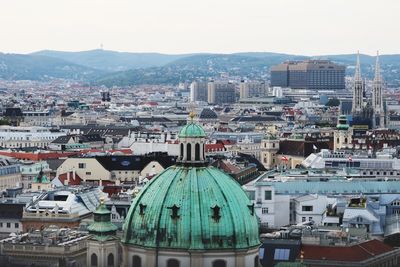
(21,137)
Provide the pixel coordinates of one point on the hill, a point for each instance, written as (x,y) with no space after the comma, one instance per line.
(246,65)
(123,69)
(35,67)
(112,60)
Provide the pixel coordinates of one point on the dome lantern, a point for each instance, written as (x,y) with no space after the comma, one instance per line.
(192,143)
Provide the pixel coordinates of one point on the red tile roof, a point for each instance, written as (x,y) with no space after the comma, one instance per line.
(37,156)
(72,181)
(358,252)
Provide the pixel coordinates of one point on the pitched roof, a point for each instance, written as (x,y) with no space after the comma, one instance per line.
(62,139)
(134,162)
(359,252)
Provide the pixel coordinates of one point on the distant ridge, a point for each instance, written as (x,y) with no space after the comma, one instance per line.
(104,67)
(111,60)
(36,67)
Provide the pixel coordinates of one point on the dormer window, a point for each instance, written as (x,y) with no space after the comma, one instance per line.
(142,208)
(396,203)
(216,213)
(174,211)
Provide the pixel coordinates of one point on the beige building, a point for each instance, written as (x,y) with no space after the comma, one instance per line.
(115,169)
(269,148)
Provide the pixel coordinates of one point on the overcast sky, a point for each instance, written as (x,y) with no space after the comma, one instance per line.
(310,27)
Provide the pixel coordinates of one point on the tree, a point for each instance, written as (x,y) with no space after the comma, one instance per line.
(333,102)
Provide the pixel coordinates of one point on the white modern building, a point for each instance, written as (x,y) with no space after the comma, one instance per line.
(22,137)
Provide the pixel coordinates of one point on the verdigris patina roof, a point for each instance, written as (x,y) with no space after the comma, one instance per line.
(102,228)
(191,130)
(192,208)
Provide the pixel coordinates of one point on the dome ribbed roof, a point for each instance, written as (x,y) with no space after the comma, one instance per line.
(192,130)
(196,208)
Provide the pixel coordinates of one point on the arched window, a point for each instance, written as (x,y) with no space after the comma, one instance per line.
(189,151)
(110,260)
(256,261)
(181,151)
(197,151)
(93,260)
(219,263)
(173,263)
(136,261)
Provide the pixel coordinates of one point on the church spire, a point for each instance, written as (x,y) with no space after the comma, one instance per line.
(378,77)
(357,75)
(358,89)
(377,97)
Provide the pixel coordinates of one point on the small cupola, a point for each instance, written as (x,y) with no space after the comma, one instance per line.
(192,143)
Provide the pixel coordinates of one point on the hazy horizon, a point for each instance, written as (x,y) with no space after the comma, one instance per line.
(194,52)
(302,27)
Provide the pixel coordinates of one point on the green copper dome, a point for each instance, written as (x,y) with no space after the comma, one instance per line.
(192,130)
(192,208)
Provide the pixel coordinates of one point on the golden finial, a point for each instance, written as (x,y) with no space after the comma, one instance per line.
(102,200)
(192,115)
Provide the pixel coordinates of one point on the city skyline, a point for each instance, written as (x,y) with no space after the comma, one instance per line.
(293,27)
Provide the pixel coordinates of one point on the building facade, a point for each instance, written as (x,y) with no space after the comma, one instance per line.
(309,74)
(221,92)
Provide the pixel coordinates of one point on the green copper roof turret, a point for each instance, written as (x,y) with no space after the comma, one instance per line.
(41,178)
(342,124)
(102,228)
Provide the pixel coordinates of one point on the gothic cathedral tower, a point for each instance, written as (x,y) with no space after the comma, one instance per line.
(377,100)
(358,89)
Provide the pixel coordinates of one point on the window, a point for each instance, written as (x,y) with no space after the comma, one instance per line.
(8,225)
(181,151)
(16,225)
(307,208)
(267,195)
(359,219)
(110,260)
(219,263)
(82,165)
(396,203)
(88,173)
(264,210)
(281,254)
(1,224)
(173,263)
(252,195)
(136,261)
(93,260)
(303,219)
(189,152)
(197,152)
(310,219)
